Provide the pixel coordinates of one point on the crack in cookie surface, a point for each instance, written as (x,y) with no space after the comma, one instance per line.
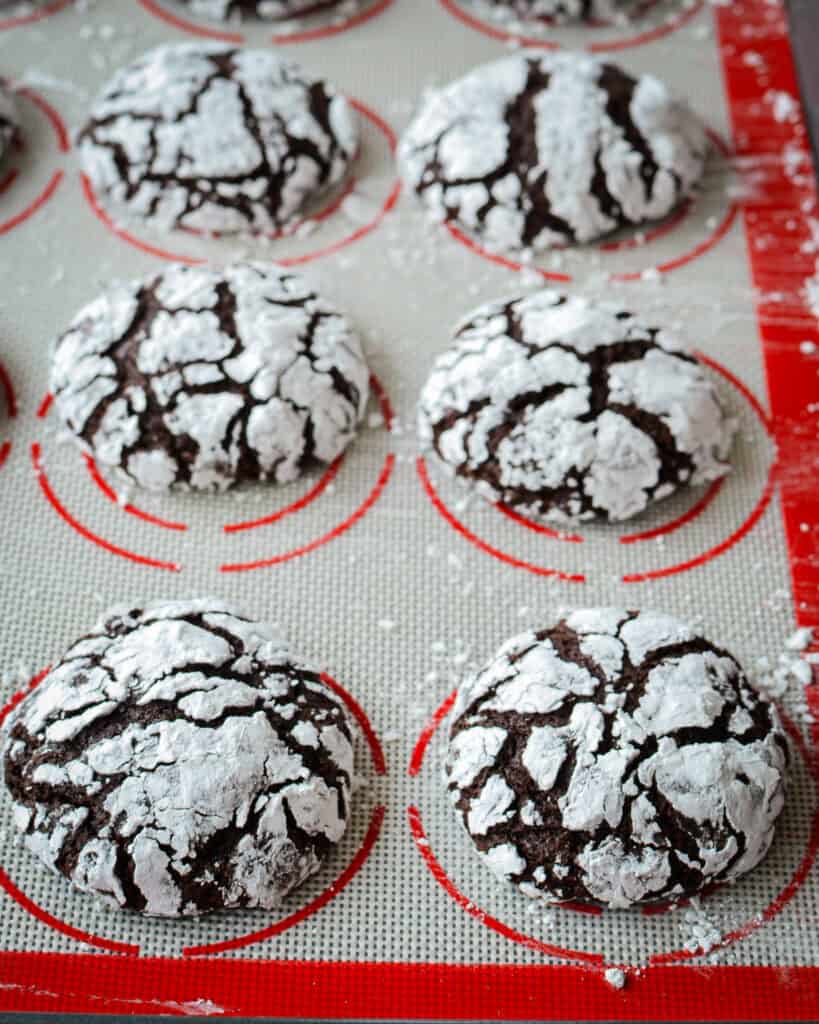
(217,139)
(270,10)
(200,378)
(568,410)
(178,759)
(529,152)
(566,10)
(616,758)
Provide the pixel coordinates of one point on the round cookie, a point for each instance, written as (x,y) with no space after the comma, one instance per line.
(199,378)
(564,409)
(616,758)
(566,10)
(179,760)
(216,139)
(9,120)
(533,151)
(270,10)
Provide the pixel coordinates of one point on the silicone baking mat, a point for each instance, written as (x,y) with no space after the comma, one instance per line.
(382,571)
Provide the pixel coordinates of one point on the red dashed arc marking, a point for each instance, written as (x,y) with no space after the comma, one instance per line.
(329,894)
(83,531)
(774,907)
(28,19)
(664,228)
(158,11)
(696,510)
(324,482)
(449,887)
(34,205)
(103,485)
(337,531)
(347,875)
(502,556)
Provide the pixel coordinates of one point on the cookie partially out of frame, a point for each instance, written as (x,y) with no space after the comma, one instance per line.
(9,120)
(269,10)
(218,139)
(177,760)
(564,409)
(566,10)
(199,378)
(617,758)
(533,151)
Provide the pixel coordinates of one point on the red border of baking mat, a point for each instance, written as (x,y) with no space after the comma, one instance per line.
(749,32)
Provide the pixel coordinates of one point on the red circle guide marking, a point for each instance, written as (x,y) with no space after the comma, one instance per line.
(332,890)
(103,485)
(502,556)
(83,531)
(288,261)
(599,46)
(281,39)
(665,227)
(324,480)
(663,530)
(49,189)
(45,11)
(777,904)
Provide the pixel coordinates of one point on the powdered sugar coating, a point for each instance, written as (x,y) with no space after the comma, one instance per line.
(9,120)
(178,760)
(534,151)
(214,138)
(618,758)
(566,10)
(566,409)
(270,10)
(198,378)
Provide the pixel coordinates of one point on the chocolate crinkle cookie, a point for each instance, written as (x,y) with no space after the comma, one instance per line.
(179,760)
(616,758)
(563,409)
(534,151)
(566,10)
(199,378)
(9,120)
(270,10)
(217,139)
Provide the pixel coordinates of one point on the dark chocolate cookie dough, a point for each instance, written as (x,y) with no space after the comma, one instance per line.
(210,137)
(618,758)
(179,760)
(9,120)
(565,409)
(200,378)
(270,10)
(533,151)
(566,10)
